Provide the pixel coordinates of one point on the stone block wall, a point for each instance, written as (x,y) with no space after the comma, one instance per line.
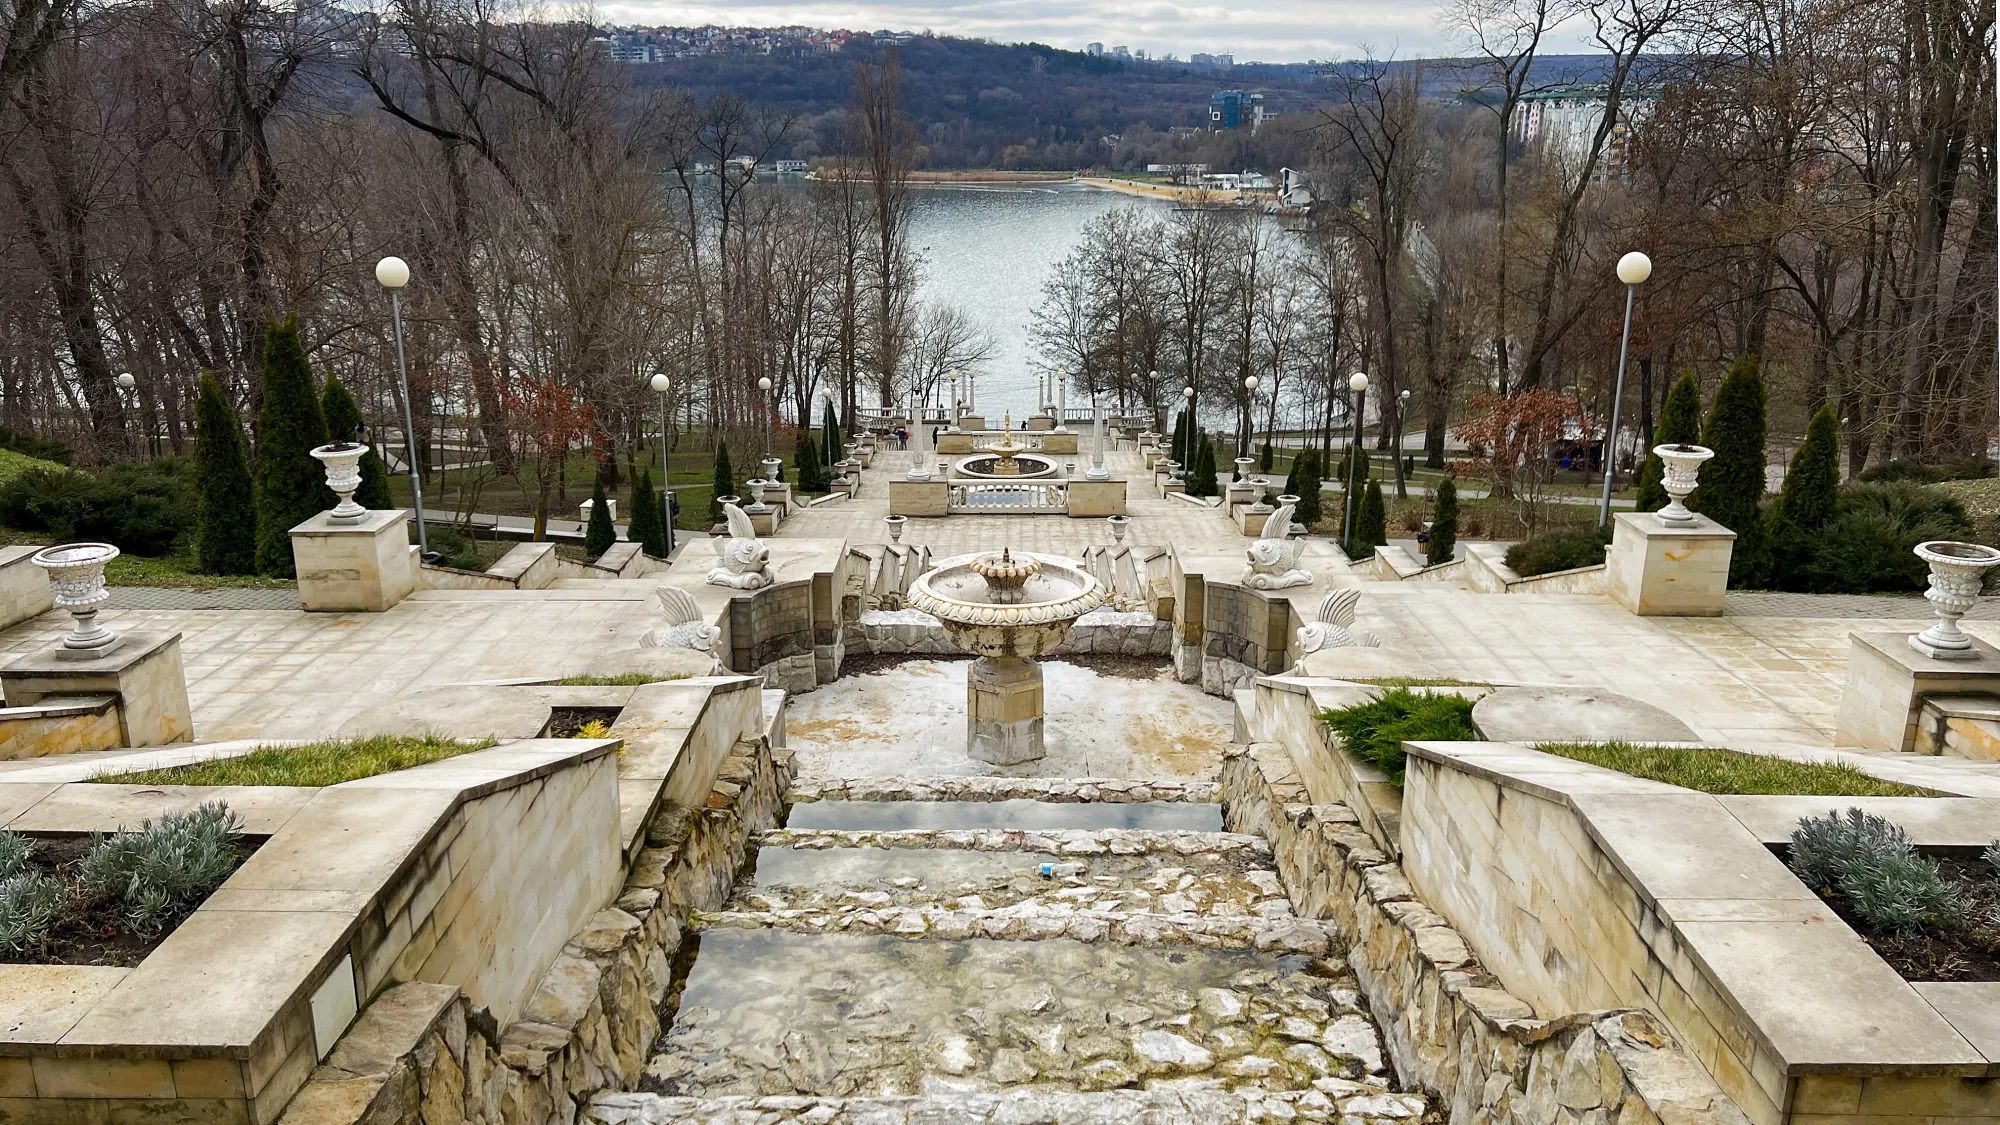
(499,889)
(771,632)
(1099,632)
(58,729)
(425,1054)
(1452,1030)
(1243,634)
(24,587)
(1485,569)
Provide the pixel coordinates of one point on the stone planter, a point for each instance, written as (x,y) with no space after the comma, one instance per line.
(342,461)
(1119,525)
(1243,467)
(76,578)
(1958,570)
(756,485)
(896,524)
(1683,464)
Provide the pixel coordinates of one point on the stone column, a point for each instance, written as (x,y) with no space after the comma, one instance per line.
(1003,710)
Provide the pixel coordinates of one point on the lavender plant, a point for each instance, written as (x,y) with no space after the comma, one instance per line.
(1872,864)
(161,872)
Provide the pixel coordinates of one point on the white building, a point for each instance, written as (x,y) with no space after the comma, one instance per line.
(1564,122)
(1095,50)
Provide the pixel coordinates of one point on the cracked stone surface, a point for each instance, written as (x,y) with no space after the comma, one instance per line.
(773,1013)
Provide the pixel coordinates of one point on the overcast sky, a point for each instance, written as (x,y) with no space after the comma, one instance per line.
(1252,30)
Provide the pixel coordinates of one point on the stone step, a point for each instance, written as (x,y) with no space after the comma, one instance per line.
(1038,921)
(822,878)
(1110,790)
(765,1012)
(1210,846)
(1350,1103)
(1175,816)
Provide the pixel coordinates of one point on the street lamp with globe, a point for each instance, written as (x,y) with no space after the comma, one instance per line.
(1243,418)
(1187,455)
(1633,269)
(1358,384)
(392,273)
(661,385)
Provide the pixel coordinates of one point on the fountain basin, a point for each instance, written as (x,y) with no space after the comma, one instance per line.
(986,466)
(1049,602)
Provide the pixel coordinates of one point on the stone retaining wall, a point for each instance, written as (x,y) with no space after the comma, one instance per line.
(1486,570)
(422,1054)
(1451,1029)
(1061,790)
(1100,632)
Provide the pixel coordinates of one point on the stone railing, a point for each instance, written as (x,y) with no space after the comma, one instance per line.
(1031,498)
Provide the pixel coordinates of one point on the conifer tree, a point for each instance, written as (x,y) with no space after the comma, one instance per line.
(1732,483)
(648,526)
(1680,424)
(226,516)
(1812,483)
(1293,477)
(601,534)
(1305,468)
(1444,525)
(291,485)
(344,423)
(1265,459)
(830,431)
(1201,478)
(805,458)
(1370,521)
(724,483)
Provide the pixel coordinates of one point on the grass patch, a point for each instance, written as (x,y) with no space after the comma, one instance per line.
(178,570)
(1375,731)
(1727,772)
(327,762)
(14,463)
(627,679)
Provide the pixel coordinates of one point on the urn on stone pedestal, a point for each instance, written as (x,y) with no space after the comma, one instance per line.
(1958,570)
(76,577)
(1683,463)
(342,460)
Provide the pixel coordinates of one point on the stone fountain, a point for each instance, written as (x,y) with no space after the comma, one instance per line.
(1009,609)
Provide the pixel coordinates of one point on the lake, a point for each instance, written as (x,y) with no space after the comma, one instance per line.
(987,251)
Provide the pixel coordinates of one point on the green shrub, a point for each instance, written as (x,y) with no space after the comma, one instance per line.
(1936,472)
(1375,731)
(1303,482)
(31,903)
(1443,541)
(1731,491)
(1807,502)
(648,526)
(599,536)
(1201,475)
(41,449)
(1992,855)
(805,458)
(1556,550)
(226,511)
(453,549)
(1680,424)
(1824,848)
(345,423)
(1866,547)
(291,485)
(14,852)
(142,509)
(1371,523)
(1265,459)
(1872,864)
(160,873)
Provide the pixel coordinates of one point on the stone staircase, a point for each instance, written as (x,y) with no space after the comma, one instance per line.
(922,971)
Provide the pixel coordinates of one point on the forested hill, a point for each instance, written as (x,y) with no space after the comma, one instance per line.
(979,104)
(973,100)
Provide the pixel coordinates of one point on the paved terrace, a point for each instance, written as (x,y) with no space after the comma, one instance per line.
(1769,674)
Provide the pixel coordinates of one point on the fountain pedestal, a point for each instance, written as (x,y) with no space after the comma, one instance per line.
(1003,710)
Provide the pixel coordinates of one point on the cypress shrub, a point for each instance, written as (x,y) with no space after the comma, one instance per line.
(1265,459)
(1371,522)
(226,512)
(1201,477)
(1680,424)
(725,482)
(1444,525)
(1808,500)
(344,423)
(291,486)
(648,527)
(1305,467)
(1732,484)
(1178,451)
(600,535)
(805,458)
(830,432)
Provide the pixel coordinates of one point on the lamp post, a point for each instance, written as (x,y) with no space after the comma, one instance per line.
(393,273)
(129,385)
(1402,421)
(1243,420)
(951,423)
(1633,269)
(1062,401)
(661,385)
(1358,383)
(1187,439)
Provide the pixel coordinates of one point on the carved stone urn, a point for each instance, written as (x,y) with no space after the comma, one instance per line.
(342,461)
(1683,463)
(76,577)
(1958,570)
